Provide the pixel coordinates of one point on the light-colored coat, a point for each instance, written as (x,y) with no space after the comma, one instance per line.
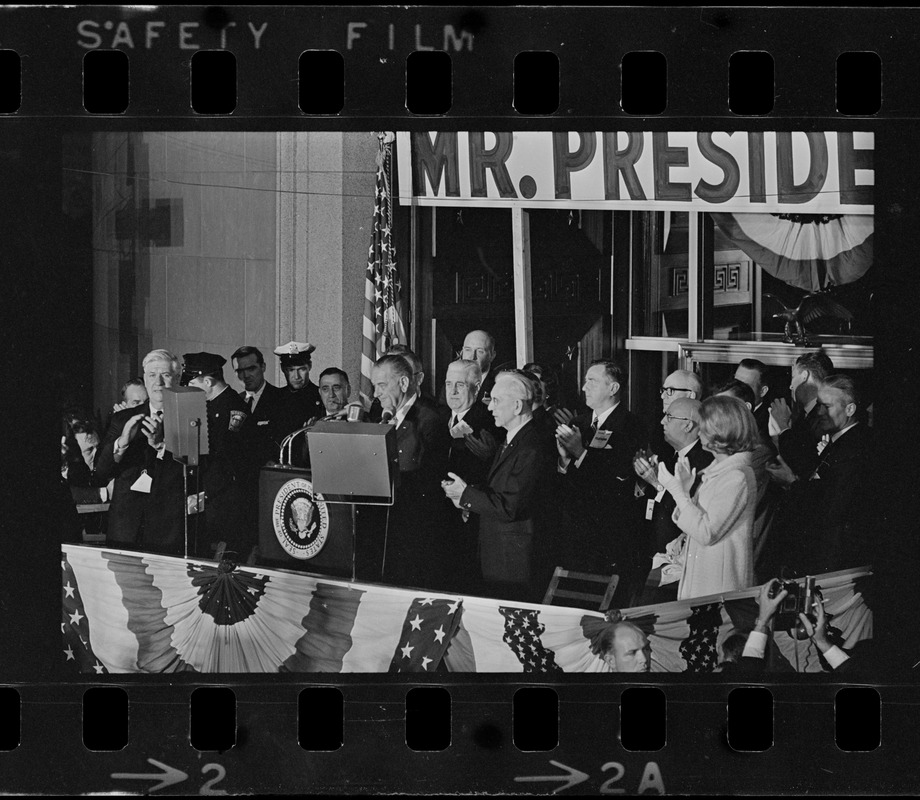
(719,524)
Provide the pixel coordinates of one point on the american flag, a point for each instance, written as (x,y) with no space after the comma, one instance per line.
(429,626)
(383,325)
(75,626)
(522,635)
(699,648)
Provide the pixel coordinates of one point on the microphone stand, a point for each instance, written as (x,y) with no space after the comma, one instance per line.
(195,423)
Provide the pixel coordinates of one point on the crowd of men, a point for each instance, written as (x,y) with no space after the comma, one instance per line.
(498,482)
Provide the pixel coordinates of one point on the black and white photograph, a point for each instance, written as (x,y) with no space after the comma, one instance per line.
(373,404)
(632,351)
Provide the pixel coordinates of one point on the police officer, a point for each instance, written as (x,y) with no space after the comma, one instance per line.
(301,393)
(223,469)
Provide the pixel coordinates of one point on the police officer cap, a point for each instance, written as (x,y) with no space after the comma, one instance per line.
(294,354)
(196,364)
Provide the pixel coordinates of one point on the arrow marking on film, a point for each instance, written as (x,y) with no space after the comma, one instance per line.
(573,778)
(168,777)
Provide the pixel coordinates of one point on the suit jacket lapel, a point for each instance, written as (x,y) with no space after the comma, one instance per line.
(501,456)
(612,423)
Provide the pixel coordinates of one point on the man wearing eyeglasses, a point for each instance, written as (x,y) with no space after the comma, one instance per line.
(680,383)
(681,427)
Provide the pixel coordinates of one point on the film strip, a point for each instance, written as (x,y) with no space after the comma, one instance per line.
(200,176)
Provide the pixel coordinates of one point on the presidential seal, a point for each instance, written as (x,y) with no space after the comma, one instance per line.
(300,519)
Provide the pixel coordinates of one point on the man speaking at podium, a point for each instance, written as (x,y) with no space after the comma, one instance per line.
(412,556)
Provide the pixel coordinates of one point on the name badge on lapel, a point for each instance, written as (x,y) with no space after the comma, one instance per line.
(143,483)
(599,442)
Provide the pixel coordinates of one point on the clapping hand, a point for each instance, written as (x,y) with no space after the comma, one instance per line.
(568,441)
(781,472)
(453,488)
(645,464)
(680,481)
(781,413)
(153,429)
(483,447)
(563,416)
(129,432)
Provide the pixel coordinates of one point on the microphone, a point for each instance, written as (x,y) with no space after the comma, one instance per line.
(353,412)
(386,416)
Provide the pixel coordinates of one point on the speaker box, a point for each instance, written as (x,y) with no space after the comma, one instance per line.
(299,530)
(185,423)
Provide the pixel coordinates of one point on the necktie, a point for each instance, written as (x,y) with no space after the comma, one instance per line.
(453,421)
(590,433)
(249,401)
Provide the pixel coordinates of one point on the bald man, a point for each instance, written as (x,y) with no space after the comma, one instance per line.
(680,383)
(479,346)
(625,648)
(680,424)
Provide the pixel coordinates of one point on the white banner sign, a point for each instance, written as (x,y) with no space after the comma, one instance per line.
(776,172)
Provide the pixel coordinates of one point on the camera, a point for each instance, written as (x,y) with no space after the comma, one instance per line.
(799,599)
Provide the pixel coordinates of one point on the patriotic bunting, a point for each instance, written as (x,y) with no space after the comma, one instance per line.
(429,623)
(151,613)
(75,626)
(810,251)
(685,636)
(139,612)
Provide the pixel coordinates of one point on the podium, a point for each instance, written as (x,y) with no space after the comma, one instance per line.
(298,529)
(307,517)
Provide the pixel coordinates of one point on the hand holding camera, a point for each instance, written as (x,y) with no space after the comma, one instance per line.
(815,625)
(791,602)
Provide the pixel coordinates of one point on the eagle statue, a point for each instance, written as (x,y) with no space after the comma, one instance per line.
(810,307)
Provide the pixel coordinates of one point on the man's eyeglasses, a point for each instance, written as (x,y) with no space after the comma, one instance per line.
(669,390)
(672,417)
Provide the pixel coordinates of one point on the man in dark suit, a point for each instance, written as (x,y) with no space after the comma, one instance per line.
(596,463)
(472,447)
(223,468)
(824,513)
(756,375)
(148,499)
(796,431)
(411,555)
(509,505)
(471,426)
(479,346)
(269,419)
(374,411)
(681,427)
(264,430)
(301,393)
